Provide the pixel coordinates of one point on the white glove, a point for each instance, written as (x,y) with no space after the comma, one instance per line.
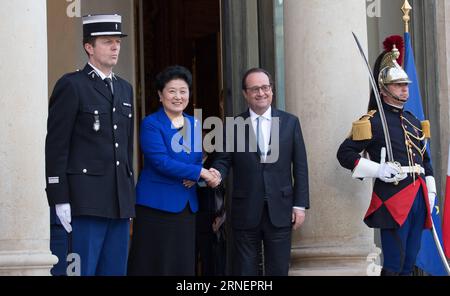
(385,171)
(64,215)
(431,186)
(390,173)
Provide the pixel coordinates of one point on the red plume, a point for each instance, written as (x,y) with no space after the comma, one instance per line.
(399,43)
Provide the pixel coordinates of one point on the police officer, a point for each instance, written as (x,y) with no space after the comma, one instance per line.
(89,152)
(404,190)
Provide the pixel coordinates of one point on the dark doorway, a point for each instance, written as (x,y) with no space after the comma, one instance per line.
(187,33)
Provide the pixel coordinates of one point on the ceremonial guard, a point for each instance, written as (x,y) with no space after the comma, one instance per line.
(89,152)
(404,188)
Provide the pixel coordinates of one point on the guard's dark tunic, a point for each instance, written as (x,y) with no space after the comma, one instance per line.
(391,203)
(89,146)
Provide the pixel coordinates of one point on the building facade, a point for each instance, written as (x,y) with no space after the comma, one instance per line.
(306,44)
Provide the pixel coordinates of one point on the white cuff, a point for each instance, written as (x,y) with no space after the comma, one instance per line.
(300,208)
(431,184)
(366,169)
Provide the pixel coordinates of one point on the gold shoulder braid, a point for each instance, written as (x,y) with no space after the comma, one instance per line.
(362,128)
(426,129)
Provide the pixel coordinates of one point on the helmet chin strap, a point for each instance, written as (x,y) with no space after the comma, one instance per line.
(395,97)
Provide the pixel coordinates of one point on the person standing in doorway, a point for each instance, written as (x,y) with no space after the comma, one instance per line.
(164,229)
(270,183)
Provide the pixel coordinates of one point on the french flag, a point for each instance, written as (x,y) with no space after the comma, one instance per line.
(446,219)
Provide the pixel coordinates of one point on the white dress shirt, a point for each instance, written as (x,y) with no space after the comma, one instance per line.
(265,126)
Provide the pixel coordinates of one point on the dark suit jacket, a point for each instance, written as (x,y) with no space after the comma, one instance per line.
(91,170)
(284,182)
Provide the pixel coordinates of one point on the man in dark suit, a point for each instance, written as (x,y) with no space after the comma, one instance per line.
(270,180)
(89,152)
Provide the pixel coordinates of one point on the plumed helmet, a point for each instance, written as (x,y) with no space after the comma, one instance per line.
(391,71)
(387,68)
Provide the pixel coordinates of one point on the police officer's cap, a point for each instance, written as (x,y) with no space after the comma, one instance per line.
(102,25)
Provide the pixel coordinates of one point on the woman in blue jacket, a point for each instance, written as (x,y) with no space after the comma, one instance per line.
(163,240)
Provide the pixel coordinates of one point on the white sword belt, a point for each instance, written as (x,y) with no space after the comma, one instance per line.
(417,169)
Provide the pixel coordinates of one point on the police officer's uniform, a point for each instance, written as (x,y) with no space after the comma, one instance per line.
(89,158)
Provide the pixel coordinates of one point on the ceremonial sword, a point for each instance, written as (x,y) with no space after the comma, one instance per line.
(390,155)
(439,247)
(387,137)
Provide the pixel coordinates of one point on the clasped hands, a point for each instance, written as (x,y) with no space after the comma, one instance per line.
(212,177)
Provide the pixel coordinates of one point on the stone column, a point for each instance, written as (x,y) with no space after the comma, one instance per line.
(327,87)
(24,214)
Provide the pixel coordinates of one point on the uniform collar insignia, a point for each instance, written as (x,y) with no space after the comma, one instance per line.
(92,74)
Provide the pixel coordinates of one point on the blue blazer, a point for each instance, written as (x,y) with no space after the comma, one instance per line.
(169,158)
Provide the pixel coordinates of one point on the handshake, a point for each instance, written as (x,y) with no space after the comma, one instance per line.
(212,178)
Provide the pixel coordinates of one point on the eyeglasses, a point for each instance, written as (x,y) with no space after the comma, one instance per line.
(255,90)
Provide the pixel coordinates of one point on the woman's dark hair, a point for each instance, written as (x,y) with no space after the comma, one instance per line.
(171,73)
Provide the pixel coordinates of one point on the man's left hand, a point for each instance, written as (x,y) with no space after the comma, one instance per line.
(298,217)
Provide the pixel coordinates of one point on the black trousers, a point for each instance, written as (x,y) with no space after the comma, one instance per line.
(247,246)
(163,243)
